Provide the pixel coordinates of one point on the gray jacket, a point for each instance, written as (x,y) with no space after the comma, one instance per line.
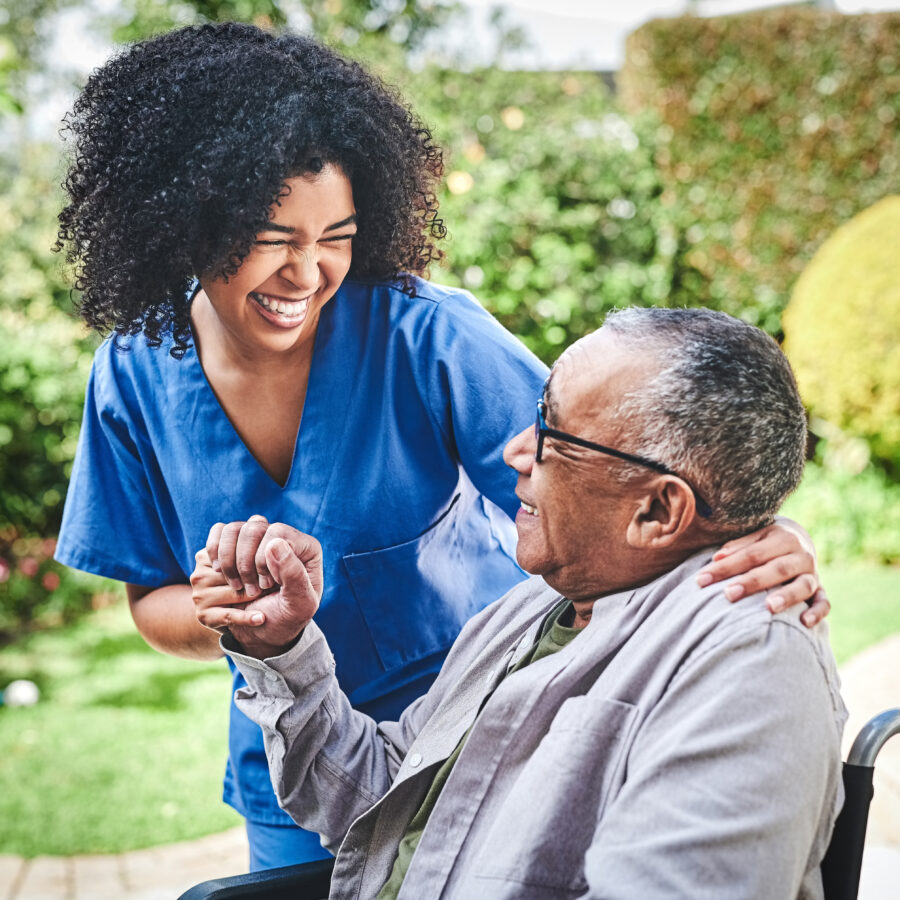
(680,746)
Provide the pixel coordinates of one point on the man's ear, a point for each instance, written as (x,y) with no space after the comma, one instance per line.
(664,513)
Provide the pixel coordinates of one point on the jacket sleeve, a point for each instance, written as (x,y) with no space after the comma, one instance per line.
(719,801)
(328,762)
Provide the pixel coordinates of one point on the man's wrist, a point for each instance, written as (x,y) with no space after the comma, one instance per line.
(250,645)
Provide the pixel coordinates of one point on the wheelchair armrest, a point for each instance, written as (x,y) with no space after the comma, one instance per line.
(305,881)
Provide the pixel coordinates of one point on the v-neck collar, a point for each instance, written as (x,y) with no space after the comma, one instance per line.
(323,420)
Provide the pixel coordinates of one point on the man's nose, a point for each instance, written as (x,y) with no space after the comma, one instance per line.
(518,454)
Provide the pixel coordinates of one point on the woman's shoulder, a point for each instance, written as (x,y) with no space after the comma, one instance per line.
(410,293)
(427,312)
(127,364)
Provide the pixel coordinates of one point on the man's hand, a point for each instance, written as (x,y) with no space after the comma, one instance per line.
(773,557)
(273,578)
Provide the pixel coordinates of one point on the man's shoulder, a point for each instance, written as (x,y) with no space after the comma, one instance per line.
(703,623)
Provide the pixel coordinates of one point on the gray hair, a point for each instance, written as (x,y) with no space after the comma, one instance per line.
(723,411)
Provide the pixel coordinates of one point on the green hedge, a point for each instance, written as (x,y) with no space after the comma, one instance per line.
(776,127)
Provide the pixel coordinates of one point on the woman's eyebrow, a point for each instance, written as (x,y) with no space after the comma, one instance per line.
(350,220)
(286,229)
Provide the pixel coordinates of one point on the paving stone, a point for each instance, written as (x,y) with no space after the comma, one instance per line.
(177,867)
(12,870)
(47,878)
(97,877)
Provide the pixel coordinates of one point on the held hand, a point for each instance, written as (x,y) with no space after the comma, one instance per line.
(773,557)
(279,570)
(216,605)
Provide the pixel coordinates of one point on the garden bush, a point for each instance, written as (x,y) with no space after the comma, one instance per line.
(37,592)
(842,330)
(45,356)
(551,199)
(850,515)
(776,127)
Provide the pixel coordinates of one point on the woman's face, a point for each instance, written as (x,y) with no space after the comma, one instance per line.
(294,268)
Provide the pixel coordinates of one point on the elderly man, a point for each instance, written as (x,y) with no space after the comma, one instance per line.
(610,728)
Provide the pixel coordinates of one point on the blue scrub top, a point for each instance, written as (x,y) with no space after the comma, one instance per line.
(397,471)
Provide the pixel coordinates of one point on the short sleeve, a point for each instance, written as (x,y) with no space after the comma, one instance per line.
(111,525)
(483,387)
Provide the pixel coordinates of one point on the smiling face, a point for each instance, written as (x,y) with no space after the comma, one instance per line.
(273,301)
(573,522)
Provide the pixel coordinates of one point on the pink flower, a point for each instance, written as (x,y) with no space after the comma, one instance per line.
(50,581)
(48,546)
(4,570)
(28,566)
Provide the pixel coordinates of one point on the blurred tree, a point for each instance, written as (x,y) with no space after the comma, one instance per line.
(366,28)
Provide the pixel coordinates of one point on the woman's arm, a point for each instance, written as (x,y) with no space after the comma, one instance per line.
(166,618)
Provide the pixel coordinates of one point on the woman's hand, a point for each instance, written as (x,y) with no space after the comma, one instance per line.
(773,557)
(273,578)
(216,605)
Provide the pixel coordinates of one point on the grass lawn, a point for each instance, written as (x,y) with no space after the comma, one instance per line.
(126,747)
(865,602)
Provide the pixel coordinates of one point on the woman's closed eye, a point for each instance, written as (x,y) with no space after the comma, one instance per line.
(281,242)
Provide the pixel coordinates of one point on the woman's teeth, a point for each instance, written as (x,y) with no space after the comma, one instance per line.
(286,309)
(531,510)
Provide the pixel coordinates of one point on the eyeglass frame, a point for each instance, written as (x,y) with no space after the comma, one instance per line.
(543,430)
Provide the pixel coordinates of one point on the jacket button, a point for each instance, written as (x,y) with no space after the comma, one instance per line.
(415,760)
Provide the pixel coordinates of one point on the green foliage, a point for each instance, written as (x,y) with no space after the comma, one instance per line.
(551,199)
(44,361)
(44,358)
(22,33)
(842,330)
(850,515)
(776,127)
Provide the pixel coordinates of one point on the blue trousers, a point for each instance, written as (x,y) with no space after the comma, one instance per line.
(272,846)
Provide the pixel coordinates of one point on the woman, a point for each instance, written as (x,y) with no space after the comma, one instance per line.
(250,214)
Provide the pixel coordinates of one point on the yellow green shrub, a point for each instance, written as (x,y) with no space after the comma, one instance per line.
(842,329)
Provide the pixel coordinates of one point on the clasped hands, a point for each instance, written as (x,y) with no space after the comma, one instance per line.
(261,582)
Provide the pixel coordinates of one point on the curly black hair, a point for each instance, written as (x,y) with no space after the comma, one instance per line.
(182,143)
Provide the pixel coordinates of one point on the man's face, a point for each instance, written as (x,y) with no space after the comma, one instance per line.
(574,513)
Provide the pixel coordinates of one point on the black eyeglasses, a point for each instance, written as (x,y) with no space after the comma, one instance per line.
(542,430)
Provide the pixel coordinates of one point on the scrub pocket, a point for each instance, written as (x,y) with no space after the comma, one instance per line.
(554,805)
(416,596)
